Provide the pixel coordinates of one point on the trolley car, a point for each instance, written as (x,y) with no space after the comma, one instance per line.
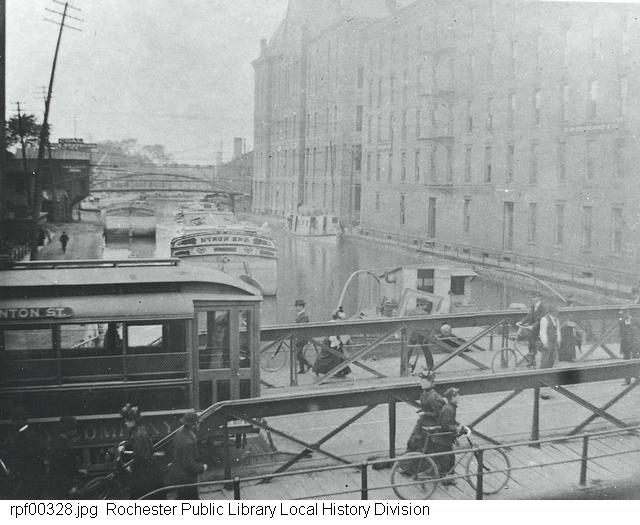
(82,338)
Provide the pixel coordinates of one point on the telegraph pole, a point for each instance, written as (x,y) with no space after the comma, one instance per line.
(44,131)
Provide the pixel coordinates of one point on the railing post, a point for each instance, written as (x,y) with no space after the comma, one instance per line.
(403,352)
(535,424)
(236,488)
(392,429)
(293,371)
(480,474)
(227,452)
(585,459)
(364,482)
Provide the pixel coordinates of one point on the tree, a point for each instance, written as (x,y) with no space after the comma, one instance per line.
(24,126)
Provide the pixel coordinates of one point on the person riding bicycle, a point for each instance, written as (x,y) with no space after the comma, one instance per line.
(450,429)
(431,404)
(145,476)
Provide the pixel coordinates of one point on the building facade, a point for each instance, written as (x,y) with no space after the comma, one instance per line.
(505,125)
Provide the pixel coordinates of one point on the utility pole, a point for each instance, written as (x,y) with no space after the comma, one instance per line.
(44,132)
(25,167)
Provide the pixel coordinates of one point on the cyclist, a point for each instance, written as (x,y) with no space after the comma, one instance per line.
(450,429)
(431,404)
(145,476)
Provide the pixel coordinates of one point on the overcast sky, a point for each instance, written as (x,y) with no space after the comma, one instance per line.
(171,72)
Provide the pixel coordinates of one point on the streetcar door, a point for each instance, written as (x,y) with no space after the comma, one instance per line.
(225,337)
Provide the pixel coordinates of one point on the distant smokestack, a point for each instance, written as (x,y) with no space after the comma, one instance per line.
(263,46)
(392,4)
(237,147)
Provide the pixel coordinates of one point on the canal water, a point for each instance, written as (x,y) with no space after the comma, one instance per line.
(316,270)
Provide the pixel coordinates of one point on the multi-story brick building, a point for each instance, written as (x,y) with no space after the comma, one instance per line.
(502,124)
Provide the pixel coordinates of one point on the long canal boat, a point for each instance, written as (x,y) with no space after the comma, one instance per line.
(207,236)
(135,219)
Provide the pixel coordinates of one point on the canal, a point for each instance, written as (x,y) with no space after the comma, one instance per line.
(317,269)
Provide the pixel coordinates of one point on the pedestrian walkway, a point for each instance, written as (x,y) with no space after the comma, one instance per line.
(551,471)
(85,239)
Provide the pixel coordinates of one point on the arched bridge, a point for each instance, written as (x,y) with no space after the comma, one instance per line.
(152,182)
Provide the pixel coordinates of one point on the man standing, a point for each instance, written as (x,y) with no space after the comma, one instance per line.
(532,323)
(300,343)
(63,463)
(549,337)
(64,239)
(629,337)
(186,464)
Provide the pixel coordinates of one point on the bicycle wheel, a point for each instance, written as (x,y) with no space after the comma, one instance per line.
(504,360)
(414,477)
(103,487)
(496,470)
(274,358)
(310,352)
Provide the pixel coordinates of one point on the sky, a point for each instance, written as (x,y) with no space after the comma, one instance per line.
(171,72)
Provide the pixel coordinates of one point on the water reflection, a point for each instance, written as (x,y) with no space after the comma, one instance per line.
(316,269)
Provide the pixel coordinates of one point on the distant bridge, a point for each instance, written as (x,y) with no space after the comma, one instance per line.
(150,182)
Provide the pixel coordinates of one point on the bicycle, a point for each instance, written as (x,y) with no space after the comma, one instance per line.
(416,476)
(515,358)
(274,358)
(113,485)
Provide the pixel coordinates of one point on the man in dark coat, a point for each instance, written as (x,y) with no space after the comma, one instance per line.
(26,457)
(532,322)
(186,463)
(300,343)
(629,337)
(64,239)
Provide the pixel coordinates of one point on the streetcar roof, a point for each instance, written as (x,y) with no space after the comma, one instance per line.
(68,274)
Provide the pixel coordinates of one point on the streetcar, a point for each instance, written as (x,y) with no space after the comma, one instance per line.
(83,338)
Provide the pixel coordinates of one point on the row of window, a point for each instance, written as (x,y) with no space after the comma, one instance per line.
(383,164)
(586,217)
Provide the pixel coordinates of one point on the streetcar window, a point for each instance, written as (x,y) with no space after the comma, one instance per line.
(82,336)
(244,326)
(213,339)
(146,337)
(90,351)
(457,285)
(34,339)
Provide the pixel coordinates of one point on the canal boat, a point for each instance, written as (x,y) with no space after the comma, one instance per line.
(313,225)
(211,237)
(134,218)
(410,290)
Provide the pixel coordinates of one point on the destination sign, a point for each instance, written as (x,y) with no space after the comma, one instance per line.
(44,312)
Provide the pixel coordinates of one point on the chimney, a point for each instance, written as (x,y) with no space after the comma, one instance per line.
(392,5)
(237,147)
(263,46)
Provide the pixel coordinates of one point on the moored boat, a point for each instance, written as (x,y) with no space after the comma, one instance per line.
(215,238)
(313,225)
(135,219)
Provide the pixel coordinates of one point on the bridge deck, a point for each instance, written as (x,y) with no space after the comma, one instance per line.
(531,478)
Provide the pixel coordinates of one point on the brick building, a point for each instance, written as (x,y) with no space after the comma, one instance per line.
(499,124)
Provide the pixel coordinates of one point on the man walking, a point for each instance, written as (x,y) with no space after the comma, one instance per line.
(64,239)
(300,343)
(186,463)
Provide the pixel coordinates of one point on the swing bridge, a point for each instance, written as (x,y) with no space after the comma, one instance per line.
(338,434)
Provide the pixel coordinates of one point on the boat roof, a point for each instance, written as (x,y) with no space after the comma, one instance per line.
(122,272)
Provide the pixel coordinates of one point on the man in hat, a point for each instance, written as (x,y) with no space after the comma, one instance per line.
(431,404)
(186,463)
(300,343)
(532,323)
